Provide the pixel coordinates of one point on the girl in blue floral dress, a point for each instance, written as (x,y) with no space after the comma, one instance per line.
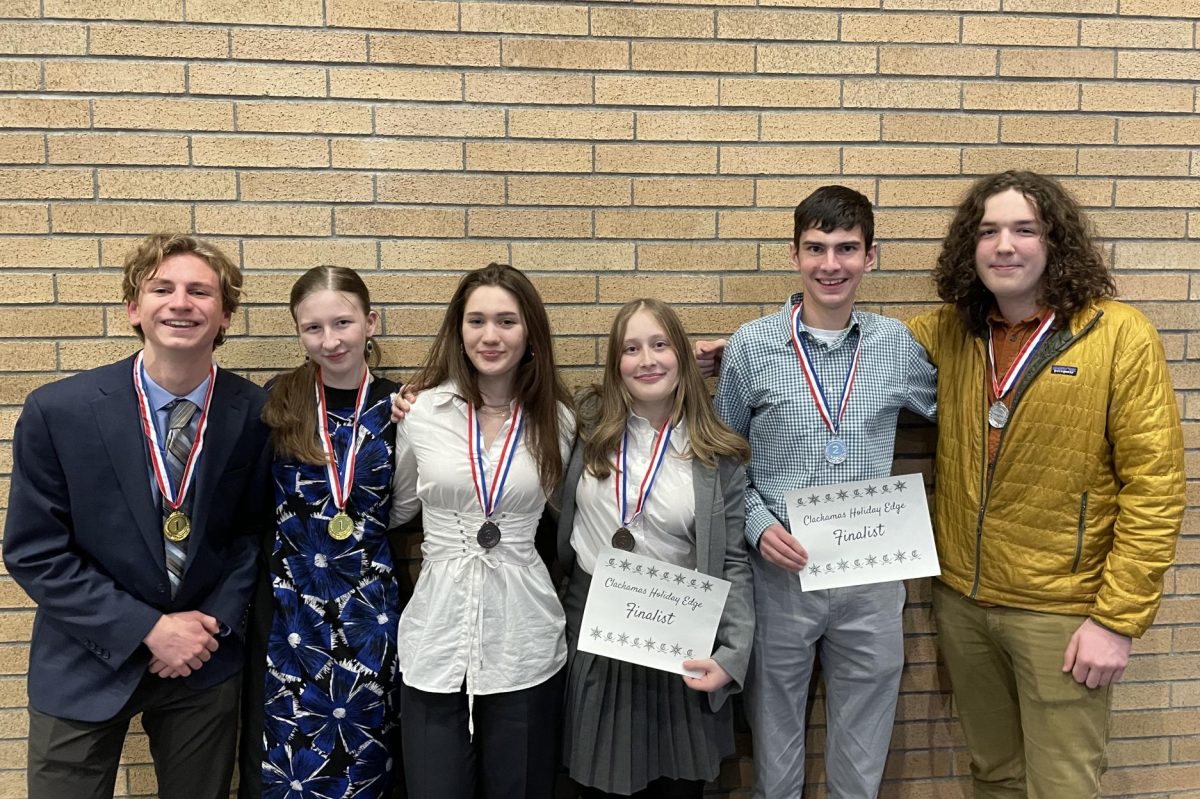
(326,726)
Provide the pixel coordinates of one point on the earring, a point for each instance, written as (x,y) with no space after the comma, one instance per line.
(370,346)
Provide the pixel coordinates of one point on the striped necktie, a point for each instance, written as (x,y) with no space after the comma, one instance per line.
(179,446)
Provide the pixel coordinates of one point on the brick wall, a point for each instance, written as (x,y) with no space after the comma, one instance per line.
(612,149)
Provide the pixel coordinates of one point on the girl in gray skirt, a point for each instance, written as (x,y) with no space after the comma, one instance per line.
(632,730)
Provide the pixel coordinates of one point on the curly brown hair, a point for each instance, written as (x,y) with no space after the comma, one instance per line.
(1075,271)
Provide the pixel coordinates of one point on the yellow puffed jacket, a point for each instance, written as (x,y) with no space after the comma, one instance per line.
(1082,509)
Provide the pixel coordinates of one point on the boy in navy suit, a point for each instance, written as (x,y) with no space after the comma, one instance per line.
(139,494)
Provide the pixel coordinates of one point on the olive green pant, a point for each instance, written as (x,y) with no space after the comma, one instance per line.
(1031,730)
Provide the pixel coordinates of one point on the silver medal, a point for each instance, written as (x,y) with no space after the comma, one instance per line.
(998,415)
(835,451)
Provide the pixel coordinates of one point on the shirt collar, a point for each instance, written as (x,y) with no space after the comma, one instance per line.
(856,319)
(159,397)
(996,319)
(679,434)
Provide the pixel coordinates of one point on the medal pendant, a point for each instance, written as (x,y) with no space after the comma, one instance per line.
(998,415)
(488,535)
(623,539)
(835,451)
(177,526)
(341,526)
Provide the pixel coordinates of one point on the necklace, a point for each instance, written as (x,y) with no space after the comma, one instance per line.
(503,411)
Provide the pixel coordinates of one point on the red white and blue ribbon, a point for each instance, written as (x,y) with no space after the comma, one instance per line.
(658,453)
(173,496)
(341,480)
(489,496)
(1003,386)
(814,383)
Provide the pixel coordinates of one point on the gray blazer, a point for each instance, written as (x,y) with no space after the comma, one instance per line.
(720,552)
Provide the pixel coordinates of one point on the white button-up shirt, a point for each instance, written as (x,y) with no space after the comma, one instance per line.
(666,530)
(489,617)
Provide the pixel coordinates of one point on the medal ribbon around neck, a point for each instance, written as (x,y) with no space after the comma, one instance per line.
(489,497)
(162,475)
(814,383)
(1002,387)
(658,454)
(341,480)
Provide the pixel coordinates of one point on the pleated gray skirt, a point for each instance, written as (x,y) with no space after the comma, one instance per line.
(626,725)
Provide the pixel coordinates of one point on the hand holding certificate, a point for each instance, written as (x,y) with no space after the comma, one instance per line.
(651,613)
(870,531)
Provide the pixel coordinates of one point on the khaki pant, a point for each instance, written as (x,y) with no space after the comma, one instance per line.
(1032,731)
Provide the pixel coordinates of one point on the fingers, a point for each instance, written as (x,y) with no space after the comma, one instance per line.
(210,624)
(779,547)
(1069,655)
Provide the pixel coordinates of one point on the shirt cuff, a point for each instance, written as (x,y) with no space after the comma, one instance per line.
(756,523)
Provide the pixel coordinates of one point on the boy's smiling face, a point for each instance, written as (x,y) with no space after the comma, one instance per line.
(831,265)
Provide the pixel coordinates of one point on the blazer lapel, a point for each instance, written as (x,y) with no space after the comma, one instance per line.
(226,419)
(120,426)
(704,485)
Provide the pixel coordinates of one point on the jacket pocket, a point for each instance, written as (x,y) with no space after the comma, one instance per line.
(1079,532)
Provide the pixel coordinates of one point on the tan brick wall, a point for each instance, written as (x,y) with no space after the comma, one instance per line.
(612,150)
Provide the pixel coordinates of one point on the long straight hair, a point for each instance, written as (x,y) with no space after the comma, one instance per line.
(537,385)
(291,410)
(609,404)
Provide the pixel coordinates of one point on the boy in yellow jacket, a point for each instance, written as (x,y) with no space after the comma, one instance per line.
(1060,484)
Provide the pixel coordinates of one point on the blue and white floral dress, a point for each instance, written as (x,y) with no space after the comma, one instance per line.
(331,702)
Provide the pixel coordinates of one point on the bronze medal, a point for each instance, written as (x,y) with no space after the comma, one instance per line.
(341,526)
(177,526)
(488,535)
(623,539)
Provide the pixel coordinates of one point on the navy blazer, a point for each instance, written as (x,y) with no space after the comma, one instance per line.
(84,538)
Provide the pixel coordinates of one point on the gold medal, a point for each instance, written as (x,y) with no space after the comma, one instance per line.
(177,526)
(341,526)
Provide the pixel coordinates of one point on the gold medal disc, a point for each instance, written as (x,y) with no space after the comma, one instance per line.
(177,526)
(341,526)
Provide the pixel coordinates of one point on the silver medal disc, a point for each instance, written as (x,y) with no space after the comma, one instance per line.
(998,415)
(835,451)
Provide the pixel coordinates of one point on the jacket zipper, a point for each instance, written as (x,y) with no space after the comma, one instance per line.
(988,471)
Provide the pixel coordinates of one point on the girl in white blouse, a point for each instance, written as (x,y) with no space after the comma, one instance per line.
(632,730)
(481,642)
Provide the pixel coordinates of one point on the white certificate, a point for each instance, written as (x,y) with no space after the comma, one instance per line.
(871,531)
(649,612)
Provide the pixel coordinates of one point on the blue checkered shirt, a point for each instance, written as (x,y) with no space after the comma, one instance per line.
(763,395)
